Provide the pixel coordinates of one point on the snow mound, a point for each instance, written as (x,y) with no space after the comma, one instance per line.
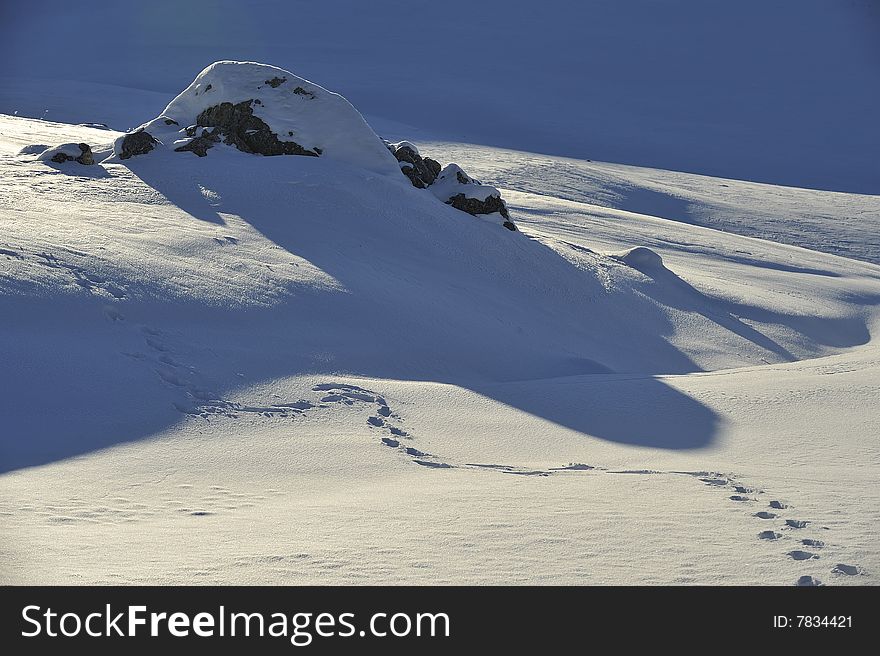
(640,258)
(268,110)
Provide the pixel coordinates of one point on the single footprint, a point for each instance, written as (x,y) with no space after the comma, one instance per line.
(849,570)
(796,523)
(769,535)
(808,581)
(763,514)
(737,497)
(387,441)
(385,411)
(797,554)
(742,489)
(778,505)
(714,481)
(376,421)
(818,544)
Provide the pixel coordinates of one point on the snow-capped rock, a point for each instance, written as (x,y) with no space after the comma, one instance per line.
(263,109)
(455,187)
(77,152)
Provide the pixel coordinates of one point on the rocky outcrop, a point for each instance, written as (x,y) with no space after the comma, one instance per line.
(236,125)
(72,152)
(451,185)
(264,110)
(476,206)
(455,187)
(199,145)
(421,171)
(136,143)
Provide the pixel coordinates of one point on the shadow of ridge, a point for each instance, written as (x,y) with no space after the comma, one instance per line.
(635,410)
(669,289)
(97,396)
(73,389)
(185,193)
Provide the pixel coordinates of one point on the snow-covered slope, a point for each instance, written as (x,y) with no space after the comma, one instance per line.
(843,224)
(222,346)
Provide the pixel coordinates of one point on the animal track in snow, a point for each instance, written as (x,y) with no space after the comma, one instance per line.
(95,284)
(848,570)
(574,466)
(801,555)
(91,282)
(169,361)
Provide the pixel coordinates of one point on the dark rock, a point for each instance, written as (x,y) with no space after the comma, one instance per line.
(191,130)
(199,145)
(433,166)
(137,143)
(85,156)
(276,82)
(208,88)
(171,121)
(237,126)
(421,172)
(302,92)
(410,172)
(475,206)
